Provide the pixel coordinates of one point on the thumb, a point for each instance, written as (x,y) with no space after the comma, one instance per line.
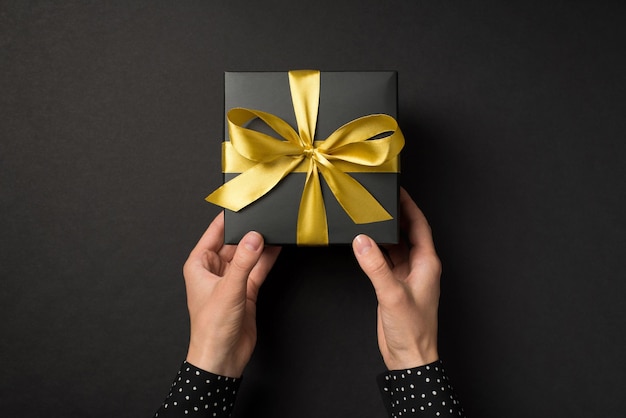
(373,264)
(246,256)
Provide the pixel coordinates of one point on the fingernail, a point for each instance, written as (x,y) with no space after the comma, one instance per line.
(362,244)
(252,241)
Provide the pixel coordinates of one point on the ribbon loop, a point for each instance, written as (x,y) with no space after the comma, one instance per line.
(369,143)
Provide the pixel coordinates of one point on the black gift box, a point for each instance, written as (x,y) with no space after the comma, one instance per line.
(344,96)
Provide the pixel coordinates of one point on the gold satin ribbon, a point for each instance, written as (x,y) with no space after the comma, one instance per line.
(264,160)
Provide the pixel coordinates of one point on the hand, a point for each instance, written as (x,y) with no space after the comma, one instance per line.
(222,283)
(407,289)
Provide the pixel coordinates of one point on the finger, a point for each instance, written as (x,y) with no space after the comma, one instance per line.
(213,237)
(374,264)
(265,264)
(417,228)
(203,255)
(261,269)
(397,253)
(246,256)
(227,252)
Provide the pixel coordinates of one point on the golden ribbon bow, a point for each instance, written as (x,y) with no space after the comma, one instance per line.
(267,160)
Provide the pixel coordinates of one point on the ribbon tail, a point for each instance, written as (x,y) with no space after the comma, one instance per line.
(355,199)
(252,184)
(312,222)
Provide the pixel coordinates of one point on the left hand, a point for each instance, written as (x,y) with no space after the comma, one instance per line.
(222,283)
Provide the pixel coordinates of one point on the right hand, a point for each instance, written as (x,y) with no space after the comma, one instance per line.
(407,289)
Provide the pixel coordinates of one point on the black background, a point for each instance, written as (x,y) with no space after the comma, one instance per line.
(110,130)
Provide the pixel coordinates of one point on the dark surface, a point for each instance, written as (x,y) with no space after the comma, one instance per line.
(111,113)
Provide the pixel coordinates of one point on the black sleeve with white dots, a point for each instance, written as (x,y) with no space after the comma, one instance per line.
(423,391)
(198,393)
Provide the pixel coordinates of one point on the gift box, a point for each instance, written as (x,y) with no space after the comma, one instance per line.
(309,157)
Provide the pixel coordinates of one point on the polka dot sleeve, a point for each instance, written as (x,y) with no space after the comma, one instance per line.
(198,393)
(424,391)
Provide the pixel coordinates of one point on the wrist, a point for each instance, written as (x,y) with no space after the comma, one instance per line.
(400,360)
(219,364)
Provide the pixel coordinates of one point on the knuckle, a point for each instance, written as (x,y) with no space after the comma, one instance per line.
(242,263)
(432,263)
(396,296)
(377,266)
(435,263)
(188,268)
